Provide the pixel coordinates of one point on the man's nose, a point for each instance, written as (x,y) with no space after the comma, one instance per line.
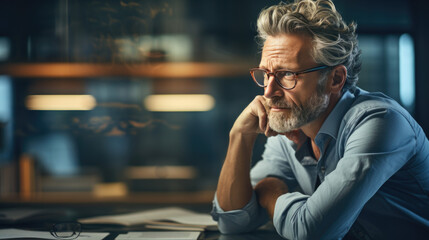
(272,88)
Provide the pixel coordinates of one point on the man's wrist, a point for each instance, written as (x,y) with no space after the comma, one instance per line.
(247,138)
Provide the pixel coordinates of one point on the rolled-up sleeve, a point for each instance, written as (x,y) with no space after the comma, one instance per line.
(246,219)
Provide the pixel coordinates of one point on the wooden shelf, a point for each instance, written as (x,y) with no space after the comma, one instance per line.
(152,70)
(200,197)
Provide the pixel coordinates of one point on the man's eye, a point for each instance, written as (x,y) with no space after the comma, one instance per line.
(283,74)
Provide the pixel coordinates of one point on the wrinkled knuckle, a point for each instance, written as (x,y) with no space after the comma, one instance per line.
(256,99)
(259,98)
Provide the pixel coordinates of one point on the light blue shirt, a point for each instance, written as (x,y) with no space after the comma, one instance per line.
(374,174)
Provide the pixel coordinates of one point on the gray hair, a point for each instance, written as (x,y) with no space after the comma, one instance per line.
(334,42)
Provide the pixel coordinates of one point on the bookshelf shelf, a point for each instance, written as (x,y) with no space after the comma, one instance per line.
(198,197)
(152,70)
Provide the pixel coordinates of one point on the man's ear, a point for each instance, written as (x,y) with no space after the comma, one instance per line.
(338,77)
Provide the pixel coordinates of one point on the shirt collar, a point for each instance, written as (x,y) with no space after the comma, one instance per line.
(333,121)
(303,154)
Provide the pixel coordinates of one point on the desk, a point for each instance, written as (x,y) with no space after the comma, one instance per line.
(262,234)
(54,215)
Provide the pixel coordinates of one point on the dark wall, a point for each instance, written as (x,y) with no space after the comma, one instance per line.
(421,16)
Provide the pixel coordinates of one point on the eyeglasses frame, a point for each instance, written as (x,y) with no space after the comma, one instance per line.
(295,74)
(75,233)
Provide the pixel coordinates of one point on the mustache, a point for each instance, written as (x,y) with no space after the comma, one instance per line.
(279,102)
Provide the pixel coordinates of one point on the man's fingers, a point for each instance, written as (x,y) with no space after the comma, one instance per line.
(261,113)
(262,119)
(259,110)
(270,133)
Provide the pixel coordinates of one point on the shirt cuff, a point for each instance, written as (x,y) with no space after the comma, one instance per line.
(241,220)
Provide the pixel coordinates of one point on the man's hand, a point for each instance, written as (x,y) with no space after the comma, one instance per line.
(234,189)
(254,119)
(268,190)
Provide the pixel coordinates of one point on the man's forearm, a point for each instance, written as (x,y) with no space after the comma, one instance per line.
(268,190)
(234,189)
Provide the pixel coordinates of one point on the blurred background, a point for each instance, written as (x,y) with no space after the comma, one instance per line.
(127,99)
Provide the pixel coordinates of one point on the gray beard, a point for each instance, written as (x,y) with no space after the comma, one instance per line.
(299,116)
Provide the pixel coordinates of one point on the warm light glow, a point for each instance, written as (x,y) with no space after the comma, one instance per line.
(179,102)
(161,172)
(115,189)
(60,102)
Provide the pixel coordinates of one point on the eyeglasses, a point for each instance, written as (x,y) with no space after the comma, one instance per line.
(286,79)
(66,230)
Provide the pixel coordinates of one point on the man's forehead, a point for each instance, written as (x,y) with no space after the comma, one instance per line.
(289,46)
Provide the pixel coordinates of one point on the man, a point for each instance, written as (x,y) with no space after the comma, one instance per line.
(339,162)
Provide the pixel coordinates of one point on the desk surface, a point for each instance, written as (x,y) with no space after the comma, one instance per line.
(53,215)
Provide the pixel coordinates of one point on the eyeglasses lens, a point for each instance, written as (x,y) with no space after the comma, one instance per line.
(260,77)
(66,230)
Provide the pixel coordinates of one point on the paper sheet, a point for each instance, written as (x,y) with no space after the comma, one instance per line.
(11,233)
(179,215)
(166,235)
(15,214)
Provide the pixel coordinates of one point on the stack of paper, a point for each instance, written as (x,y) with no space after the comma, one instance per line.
(165,218)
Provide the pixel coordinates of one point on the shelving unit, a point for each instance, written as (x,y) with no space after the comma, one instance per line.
(152,70)
(80,71)
(199,197)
